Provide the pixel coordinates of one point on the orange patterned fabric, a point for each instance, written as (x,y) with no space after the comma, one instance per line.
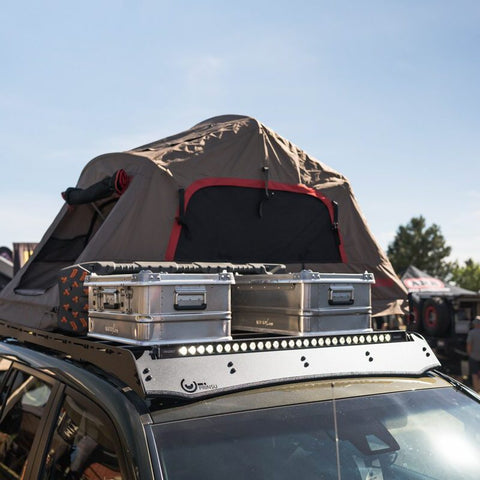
(73,308)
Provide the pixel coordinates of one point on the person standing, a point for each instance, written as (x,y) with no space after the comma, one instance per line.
(473,350)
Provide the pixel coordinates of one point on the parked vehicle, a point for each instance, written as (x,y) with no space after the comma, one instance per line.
(346,405)
(442,313)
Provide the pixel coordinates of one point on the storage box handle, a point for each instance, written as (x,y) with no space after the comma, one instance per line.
(190,299)
(341,295)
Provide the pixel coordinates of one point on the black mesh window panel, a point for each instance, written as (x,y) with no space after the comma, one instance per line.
(242,224)
(64,246)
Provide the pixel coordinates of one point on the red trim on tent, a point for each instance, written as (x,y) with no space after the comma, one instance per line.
(241,182)
(383,282)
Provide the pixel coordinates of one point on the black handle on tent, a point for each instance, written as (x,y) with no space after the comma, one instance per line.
(117,183)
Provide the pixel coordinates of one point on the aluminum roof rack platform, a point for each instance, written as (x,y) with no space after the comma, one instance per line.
(201,369)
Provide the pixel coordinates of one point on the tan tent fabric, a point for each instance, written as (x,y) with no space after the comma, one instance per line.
(138,224)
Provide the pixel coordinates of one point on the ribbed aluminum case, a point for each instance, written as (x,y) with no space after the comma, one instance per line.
(303,303)
(154,308)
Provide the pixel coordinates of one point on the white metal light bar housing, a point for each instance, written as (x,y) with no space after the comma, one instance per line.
(203,369)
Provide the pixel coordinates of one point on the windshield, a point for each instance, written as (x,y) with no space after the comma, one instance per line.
(424,434)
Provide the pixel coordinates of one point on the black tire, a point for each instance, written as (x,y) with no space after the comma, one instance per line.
(415,323)
(435,317)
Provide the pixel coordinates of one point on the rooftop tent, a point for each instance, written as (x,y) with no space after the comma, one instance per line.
(229,189)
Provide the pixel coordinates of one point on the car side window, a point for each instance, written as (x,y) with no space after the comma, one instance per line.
(84,445)
(24,407)
(4,367)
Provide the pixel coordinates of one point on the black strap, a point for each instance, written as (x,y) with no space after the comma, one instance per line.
(266,172)
(335,228)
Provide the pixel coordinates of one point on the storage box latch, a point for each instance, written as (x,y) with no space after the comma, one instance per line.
(106,299)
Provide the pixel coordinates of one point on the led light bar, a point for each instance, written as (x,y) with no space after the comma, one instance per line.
(201,369)
(274,344)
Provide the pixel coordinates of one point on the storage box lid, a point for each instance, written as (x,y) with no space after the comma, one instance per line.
(308,276)
(148,278)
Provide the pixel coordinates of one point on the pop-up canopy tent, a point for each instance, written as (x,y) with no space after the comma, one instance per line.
(6,271)
(229,189)
(438,306)
(424,285)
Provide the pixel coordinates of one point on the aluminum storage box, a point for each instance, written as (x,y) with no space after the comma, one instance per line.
(154,308)
(72,311)
(302,303)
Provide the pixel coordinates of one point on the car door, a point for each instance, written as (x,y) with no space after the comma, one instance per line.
(27,397)
(84,444)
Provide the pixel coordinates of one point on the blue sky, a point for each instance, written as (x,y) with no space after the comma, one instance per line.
(386,92)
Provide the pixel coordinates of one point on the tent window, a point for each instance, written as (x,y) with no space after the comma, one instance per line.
(64,246)
(242,224)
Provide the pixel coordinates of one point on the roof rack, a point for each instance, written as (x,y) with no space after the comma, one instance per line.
(200,369)
(115,360)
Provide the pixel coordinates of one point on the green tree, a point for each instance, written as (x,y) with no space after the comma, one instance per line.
(421,246)
(467,276)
